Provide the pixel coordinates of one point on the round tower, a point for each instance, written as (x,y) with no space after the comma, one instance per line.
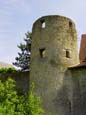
(53,50)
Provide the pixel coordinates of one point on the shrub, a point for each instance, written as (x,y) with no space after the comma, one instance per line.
(13,104)
(7,70)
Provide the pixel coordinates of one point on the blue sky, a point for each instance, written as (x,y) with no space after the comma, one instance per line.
(17,17)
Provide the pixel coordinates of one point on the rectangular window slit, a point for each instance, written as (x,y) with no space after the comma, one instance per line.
(67,54)
(42,52)
(43,23)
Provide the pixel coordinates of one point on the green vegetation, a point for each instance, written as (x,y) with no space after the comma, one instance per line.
(7,70)
(13,104)
(23,59)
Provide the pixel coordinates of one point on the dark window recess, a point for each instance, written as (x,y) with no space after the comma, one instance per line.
(70,107)
(43,23)
(84,60)
(42,52)
(67,54)
(70,24)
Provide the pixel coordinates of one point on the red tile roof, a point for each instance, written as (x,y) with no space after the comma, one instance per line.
(82,53)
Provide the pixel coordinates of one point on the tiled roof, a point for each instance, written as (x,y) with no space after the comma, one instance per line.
(5,65)
(82,53)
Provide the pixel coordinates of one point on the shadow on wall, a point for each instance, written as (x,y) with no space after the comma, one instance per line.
(71,97)
(75,89)
(62,101)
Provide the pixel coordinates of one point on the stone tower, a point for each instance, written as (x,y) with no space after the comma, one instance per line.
(54,49)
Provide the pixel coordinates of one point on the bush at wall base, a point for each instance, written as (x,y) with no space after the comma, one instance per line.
(13,104)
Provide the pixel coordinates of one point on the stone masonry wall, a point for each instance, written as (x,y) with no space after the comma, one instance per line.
(79,90)
(21,78)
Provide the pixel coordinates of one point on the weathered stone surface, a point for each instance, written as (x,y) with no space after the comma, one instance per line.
(79,90)
(59,40)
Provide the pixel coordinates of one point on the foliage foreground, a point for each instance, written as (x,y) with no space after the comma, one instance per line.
(13,104)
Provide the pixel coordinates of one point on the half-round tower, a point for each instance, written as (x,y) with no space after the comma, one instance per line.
(54,49)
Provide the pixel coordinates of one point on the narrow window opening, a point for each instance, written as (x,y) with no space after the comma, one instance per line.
(70,106)
(70,24)
(84,60)
(42,52)
(67,54)
(43,23)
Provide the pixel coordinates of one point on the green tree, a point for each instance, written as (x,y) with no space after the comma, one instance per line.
(23,59)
